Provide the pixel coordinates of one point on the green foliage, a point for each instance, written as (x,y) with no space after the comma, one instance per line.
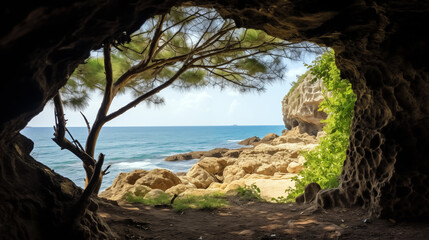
(323,165)
(280,199)
(222,55)
(250,193)
(205,202)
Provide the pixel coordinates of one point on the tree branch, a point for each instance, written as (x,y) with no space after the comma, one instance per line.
(105,104)
(143,97)
(86,121)
(59,134)
(84,201)
(122,81)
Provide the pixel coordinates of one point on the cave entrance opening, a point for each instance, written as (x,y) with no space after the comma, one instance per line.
(189,48)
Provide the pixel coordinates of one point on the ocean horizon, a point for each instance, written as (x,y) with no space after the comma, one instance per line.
(144,147)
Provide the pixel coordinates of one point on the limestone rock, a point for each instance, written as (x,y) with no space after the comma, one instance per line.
(233,153)
(249,166)
(233,172)
(266,169)
(250,141)
(200,177)
(158,179)
(139,182)
(198,192)
(294,167)
(178,189)
(185,156)
(269,137)
(213,165)
(217,152)
(300,106)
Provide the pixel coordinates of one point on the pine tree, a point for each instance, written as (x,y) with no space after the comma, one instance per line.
(187,48)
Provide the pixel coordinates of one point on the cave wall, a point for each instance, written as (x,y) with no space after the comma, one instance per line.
(380,47)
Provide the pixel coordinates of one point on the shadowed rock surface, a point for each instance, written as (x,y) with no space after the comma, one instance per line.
(380,47)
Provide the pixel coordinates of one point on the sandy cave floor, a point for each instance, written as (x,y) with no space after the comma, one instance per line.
(254,220)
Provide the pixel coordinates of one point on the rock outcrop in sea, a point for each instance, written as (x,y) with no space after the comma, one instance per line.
(270,165)
(300,106)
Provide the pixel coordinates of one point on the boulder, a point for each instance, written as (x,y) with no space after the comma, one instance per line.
(213,165)
(232,172)
(250,141)
(158,179)
(185,156)
(249,166)
(269,137)
(233,153)
(119,193)
(178,189)
(139,182)
(294,167)
(200,177)
(217,152)
(266,169)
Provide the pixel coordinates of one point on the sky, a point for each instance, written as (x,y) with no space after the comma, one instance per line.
(199,107)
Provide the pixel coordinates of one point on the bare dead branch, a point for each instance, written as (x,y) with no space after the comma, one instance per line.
(105,172)
(75,141)
(59,134)
(86,121)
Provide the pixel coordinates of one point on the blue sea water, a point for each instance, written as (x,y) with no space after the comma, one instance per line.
(129,148)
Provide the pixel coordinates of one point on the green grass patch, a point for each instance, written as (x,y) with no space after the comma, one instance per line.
(205,202)
(160,200)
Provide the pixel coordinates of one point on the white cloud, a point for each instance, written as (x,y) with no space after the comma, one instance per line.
(199,101)
(233,106)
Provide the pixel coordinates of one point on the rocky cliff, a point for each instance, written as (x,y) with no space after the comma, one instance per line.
(300,106)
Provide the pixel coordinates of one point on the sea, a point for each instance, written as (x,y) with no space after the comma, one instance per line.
(129,148)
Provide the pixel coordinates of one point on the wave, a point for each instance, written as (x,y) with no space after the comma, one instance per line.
(234,140)
(131,165)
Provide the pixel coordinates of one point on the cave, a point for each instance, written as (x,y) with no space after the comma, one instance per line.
(381,48)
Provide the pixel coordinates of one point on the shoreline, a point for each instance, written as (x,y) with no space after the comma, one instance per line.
(269,163)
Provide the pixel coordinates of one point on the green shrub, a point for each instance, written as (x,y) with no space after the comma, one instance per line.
(323,165)
(250,193)
(280,199)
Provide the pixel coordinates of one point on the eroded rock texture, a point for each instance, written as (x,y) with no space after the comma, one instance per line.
(36,203)
(381,48)
(300,107)
(382,51)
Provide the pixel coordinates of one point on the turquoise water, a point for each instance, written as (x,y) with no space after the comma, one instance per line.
(128,148)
